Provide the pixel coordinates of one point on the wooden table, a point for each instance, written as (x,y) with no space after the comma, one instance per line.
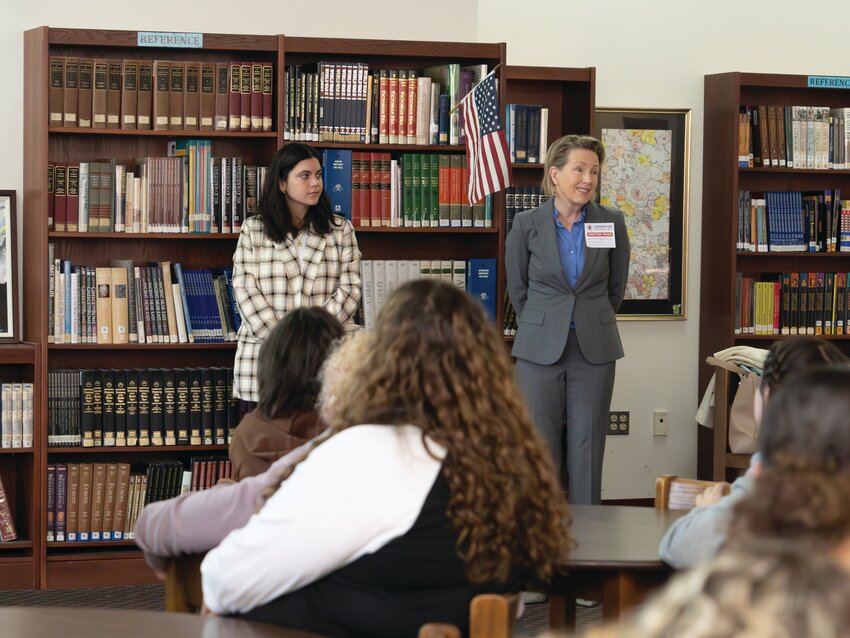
(68,622)
(615,562)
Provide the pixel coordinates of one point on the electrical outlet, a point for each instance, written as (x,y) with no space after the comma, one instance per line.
(618,423)
(660,426)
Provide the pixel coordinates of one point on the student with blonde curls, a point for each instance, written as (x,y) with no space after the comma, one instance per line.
(433,487)
(768,589)
(698,536)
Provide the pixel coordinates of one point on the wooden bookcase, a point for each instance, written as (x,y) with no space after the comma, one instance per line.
(725,93)
(64,565)
(19,470)
(570,96)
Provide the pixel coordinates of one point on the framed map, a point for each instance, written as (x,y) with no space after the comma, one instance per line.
(645,175)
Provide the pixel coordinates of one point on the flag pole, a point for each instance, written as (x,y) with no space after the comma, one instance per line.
(472,90)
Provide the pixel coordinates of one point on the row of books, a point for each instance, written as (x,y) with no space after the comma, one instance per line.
(520,198)
(527,132)
(338,101)
(16,415)
(805,137)
(140,407)
(417,190)
(113,93)
(790,303)
(7,521)
(188,192)
(809,221)
(382,277)
(102,501)
(124,303)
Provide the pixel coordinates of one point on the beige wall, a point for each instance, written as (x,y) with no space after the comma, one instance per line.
(647,54)
(655,54)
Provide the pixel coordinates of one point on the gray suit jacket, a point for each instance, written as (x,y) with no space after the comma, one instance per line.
(543,299)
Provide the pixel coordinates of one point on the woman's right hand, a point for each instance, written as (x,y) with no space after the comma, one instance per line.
(712,495)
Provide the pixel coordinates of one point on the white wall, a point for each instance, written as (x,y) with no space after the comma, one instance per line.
(654,54)
(648,54)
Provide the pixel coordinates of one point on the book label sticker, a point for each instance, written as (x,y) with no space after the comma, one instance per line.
(170,39)
(828,82)
(600,235)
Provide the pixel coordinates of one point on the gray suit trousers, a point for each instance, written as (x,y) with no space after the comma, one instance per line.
(578,393)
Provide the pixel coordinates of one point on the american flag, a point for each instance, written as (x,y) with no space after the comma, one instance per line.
(486,148)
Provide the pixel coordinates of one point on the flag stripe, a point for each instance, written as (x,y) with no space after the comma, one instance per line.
(486,147)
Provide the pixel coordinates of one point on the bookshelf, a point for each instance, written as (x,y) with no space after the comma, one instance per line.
(723,178)
(570,96)
(66,564)
(19,471)
(82,564)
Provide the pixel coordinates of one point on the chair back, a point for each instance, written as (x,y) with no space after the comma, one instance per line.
(490,616)
(675,493)
(183,592)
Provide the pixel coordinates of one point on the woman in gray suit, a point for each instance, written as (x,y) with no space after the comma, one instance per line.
(567,263)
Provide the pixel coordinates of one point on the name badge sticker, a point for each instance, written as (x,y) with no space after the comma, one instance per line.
(599,235)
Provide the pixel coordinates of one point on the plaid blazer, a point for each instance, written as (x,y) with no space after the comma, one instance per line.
(268,283)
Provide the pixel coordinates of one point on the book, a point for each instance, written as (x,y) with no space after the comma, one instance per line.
(84,119)
(206,108)
(71,92)
(56,91)
(60,515)
(113,94)
(176,90)
(192,96)
(98,92)
(129,93)
(7,521)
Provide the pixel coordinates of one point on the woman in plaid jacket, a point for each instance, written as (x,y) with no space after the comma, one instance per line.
(295,252)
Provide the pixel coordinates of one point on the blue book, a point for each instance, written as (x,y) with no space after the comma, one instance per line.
(481,283)
(336,173)
(178,277)
(237,318)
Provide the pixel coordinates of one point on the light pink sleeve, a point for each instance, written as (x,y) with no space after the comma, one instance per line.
(197,522)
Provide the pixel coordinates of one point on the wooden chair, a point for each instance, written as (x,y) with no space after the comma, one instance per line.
(183,591)
(675,493)
(490,616)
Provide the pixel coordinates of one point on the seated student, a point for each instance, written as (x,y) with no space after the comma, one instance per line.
(775,589)
(434,487)
(802,491)
(698,535)
(194,523)
(287,374)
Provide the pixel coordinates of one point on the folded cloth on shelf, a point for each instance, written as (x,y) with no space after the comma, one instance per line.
(736,355)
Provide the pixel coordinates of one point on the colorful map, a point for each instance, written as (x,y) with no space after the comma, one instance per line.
(636,180)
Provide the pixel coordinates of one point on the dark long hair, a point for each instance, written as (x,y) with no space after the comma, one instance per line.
(290,359)
(795,355)
(272,208)
(803,490)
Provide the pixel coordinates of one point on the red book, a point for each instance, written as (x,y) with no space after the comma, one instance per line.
(375,188)
(384,107)
(386,189)
(256,96)
(412,98)
(51,197)
(355,188)
(60,185)
(245,98)
(7,523)
(777,306)
(233,113)
(268,87)
(365,191)
(392,116)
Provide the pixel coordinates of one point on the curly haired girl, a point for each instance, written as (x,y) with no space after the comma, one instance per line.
(432,486)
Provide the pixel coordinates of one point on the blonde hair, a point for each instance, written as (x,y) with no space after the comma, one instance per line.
(435,360)
(559,154)
(337,371)
(769,589)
